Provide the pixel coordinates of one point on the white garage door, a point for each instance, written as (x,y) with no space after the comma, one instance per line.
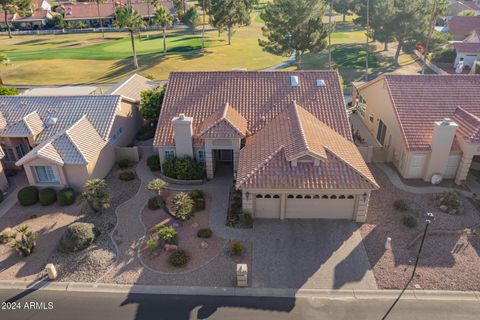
(452,166)
(320,206)
(416,166)
(267,206)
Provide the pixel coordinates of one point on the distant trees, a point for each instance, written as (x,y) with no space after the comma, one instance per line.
(100,21)
(229,14)
(343,7)
(130,19)
(4,60)
(192,18)
(163,18)
(151,102)
(11,7)
(294,27)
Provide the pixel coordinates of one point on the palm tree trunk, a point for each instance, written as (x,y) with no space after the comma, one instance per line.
(229,35)
(385,46)
(135,61)
(100,19)
(164,41)
(8,25)
(148,12)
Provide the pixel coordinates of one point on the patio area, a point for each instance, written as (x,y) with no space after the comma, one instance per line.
(368,138)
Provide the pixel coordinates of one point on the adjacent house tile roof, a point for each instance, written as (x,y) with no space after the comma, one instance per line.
(461,26)
(87,10)
(132,87)
(420,100)
(28,126)
(467,47)
(264,161)
(226,123)
(36,15)
(469,125)
(472,5)
(10,17)
(256,96)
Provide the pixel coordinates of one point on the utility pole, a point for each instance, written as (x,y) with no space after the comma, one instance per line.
(366,42)
(330,36)
(203,26)
(430,31)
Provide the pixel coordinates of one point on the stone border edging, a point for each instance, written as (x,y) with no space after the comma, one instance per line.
(180,182)
(239,292)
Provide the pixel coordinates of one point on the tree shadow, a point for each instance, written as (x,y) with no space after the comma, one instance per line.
(33,41)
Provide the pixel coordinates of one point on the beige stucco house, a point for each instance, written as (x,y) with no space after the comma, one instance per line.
(427,124)
(286,135)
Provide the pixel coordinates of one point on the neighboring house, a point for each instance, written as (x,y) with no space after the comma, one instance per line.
(131,88)
(428,124)
(87,13)
(40,5)
(285,134)
(461,27)
(37,20)
(456,7)
(469,52)
(62,91)
(10,18)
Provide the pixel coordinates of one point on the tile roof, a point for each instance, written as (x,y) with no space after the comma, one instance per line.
(29,126)
(467,47)
(469,125)
(470,4)
(257,96)
(226,123)
(87,10)
(132,87)
(10,17)
(35,16)
(420,100)
(263,162)
(461,26)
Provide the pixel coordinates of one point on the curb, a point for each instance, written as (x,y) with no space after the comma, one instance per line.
(358,294)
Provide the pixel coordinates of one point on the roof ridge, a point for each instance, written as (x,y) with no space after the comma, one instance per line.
(24,119)
(67,133)
(300,125)
(261,165)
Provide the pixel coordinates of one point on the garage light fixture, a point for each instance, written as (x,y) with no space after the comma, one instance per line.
(247,195)
(364,196)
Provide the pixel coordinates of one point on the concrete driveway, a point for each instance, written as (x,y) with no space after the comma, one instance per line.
(326,254)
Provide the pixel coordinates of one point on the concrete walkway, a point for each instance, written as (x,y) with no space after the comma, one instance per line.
(397,182)
(16,183)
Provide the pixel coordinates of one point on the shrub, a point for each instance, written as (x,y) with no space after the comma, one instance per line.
(400,205)
(197,194)
(124,163)
(447,55)
(5,91)
(47,196)
(183,205)
(168,168)
(236,248)
(126,175)
(183,168)
(198,199)
(146,133)
(156,185)
(232,221)
(27,242)
(28,196)
(247,219)
(96,195)
(178,258)
(78,236)
(153,162)
(204,233)
(155,203)
(66,196)
(168,235)
(409,221)
(152,244)
(450,199)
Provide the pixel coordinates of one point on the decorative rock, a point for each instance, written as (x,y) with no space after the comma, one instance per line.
(204,245)
(170,247)
(443,208)
(453,211)
(194,225)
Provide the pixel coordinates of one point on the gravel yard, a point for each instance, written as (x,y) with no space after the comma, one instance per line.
(187,238)
(448,261)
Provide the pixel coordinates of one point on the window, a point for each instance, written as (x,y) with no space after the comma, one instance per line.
(371,118)
(350,197)
(308,197)
(341,197)
(267,196)
(115,135)
(290,196)
(46,173)
(259,196)
(299,196)
(9,155)
(169,154)
(276,196)
(201,156)
(333,197)
(324,196)
(316,196)
(21,150)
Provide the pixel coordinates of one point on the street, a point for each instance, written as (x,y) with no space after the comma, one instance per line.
(59,305)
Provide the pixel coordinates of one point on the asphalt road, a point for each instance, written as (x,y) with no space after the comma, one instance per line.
(55,305)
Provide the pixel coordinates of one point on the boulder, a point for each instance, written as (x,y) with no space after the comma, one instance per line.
(170,247)
(194,225)
(443,208)
(204,245)
(453,211)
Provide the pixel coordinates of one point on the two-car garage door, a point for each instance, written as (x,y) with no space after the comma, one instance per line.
(306,206)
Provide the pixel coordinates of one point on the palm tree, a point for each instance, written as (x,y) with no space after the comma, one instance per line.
(99,17)
(130,19)
(12,7)
(155,4)
(95,194)
(163,18)
(4,60)
(156,185)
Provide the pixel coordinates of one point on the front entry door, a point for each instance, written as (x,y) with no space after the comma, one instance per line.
(225,155)
(382,130)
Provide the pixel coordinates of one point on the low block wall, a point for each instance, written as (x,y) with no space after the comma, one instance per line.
(181,182)
(130,153)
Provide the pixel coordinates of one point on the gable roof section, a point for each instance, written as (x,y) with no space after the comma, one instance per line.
(420,100)
(226,123)
(467,47)
(264,161)
(29,126)
(132,87)
(256,96)
(469,125)
(461,26)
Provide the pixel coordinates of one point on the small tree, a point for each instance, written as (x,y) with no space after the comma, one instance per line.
(130,19)
(183,205)
(228,14)
(95,194)
(163,18)
(343,7)
(100,21)
(5,91)
(151,103)
(192,18)
(157,185)
(4,60)
(11,7)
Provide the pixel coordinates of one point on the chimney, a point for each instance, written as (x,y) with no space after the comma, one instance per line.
(442,139)
(182,130)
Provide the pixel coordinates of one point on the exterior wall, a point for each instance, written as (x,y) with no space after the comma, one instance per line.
(182,128)
(31,176)
(468,58)
(76,176)
(3,179)
(220,144)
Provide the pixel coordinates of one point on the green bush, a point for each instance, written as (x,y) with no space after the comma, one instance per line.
(126,176)
(247,219)
(183,205)
(153,162)
(124,163)
(178,258)
(78,236)
(66,196)
(28,196)
(236,248)
(197,194)
(198,199)
(47,196)
(5,91)
(168,235)
(184,168)
(409,221)
(155,203)
(204,233)
(146,133)
(152,244)
(400,205)
(451,200)
(447,55)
